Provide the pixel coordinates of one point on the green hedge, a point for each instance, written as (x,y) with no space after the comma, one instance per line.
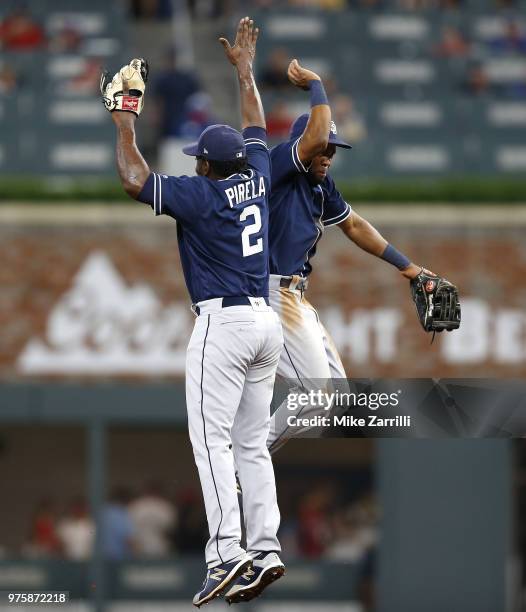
(475,190)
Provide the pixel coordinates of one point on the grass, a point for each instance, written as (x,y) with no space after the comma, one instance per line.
(465,190)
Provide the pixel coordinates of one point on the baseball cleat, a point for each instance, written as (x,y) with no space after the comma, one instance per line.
(266,568)
(219,578)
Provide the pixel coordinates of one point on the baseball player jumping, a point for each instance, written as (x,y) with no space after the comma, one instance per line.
(303,202)
(233,354)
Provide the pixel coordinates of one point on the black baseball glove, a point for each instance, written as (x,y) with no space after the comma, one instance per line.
(436,301)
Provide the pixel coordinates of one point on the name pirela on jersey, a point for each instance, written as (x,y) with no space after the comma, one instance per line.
(242,192)
(222,225)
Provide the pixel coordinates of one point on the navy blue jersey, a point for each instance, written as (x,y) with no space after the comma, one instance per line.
(299,211)
(222,225)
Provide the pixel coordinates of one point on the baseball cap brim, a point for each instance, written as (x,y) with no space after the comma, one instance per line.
(339,143)
(191,149)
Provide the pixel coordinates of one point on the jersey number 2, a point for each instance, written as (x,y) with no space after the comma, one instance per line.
(253,228)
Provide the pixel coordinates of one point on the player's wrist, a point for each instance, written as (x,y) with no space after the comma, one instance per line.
(412,271)
(122,117)
(244,66)
(317,93)
(395,258)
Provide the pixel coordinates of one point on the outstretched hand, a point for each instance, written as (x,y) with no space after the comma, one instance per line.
(244,48)
(412,271)
(300,76)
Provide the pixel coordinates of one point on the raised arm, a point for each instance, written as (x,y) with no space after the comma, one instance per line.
(131,165)
(123,97)
(315,138)
(241,55)
(368,238)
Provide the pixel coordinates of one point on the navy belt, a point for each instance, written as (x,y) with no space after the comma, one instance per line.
(285,282)
(235,300)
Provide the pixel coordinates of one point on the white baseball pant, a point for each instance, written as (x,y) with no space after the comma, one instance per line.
(309,356)
(231,366)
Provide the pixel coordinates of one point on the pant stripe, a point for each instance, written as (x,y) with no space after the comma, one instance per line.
(292,364)
(300,411)
(206,444)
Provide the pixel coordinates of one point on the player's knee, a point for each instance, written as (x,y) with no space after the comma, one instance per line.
(251,448)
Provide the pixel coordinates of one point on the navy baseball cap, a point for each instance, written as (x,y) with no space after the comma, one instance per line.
(219,143)
(298,127)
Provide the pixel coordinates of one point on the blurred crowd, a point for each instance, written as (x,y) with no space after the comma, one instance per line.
(159,9)
(22,35)
(329,521)
(469,63)
(464,58)
(144,525)
(320,523)
(475,58)
(179,107)
(280,113)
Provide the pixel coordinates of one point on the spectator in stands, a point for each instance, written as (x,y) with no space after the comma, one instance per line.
(330,5)
(8,80)
(67,40)
(117,527)
(279,119)
(506,4)
(477,82)
(76,532)
(345,542)
(86,83)
(171,90)
(151,9)
(350,124)
(43,541)
(450,4)
(20,32)
(451,44)
(274,73)
(313,514)
(353,531)
(429,4)
(192,528)
(368,4)
(198,115)
(512,42)
(413,5)
(153,518)
(210,9)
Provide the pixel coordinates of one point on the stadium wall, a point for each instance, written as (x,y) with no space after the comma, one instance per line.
(98,291)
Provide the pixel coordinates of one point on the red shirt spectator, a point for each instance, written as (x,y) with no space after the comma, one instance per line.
(44,539)
(19,32)
(279,121)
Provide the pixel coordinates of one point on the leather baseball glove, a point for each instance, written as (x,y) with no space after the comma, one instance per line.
(125,92)
(436,301)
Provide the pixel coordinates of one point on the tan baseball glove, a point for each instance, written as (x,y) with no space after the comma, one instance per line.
(125,92)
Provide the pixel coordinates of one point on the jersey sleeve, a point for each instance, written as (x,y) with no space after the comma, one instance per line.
(335,208)
(286,162)
(257,150)
(175,196)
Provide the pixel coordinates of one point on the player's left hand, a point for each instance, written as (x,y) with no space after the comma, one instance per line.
(244,48)
(300,76)
(412,271)
(125,92)
(436,300)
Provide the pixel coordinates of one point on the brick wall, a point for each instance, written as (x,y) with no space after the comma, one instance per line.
(108,299)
